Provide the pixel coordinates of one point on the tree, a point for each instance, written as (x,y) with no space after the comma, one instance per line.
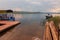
(9,11)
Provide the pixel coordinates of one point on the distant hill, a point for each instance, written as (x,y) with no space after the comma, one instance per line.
(22,12)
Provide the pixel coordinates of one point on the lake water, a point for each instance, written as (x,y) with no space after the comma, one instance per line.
(32,23)
(30,17)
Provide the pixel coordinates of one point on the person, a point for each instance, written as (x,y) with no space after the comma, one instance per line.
(12,18)
(49,15)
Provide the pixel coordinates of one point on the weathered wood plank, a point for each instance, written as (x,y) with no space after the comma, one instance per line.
(7,24)
(53,30)
(50,31)
(47,35)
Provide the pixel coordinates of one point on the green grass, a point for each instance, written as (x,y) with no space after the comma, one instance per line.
(56,20)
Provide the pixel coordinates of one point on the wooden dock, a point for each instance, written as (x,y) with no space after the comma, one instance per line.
(7,24)
(50,32)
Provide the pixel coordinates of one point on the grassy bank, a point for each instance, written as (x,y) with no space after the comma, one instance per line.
(56,20)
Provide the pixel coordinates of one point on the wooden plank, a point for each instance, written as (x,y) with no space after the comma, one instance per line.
(7,24)
(47,34)
(53,30)
(50,31)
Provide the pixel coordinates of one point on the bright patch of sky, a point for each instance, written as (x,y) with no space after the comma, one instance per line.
(31,5)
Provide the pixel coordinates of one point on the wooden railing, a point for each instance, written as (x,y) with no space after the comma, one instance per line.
(50,32)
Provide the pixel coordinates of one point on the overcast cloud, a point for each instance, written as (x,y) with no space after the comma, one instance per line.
(31,5)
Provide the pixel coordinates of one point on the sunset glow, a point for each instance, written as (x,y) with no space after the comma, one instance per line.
(55,10)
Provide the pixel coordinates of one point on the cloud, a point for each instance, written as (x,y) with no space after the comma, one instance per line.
(17,9)
(31,5)
(55,10)
(27,0)
(35,3)
(50,5)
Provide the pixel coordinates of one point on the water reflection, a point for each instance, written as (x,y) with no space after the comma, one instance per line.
(18,16)
(32,17)
(29,16)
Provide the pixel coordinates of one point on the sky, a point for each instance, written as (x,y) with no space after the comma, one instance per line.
(31,5)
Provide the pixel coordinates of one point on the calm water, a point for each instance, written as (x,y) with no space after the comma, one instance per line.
(32,23)
(30,17)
